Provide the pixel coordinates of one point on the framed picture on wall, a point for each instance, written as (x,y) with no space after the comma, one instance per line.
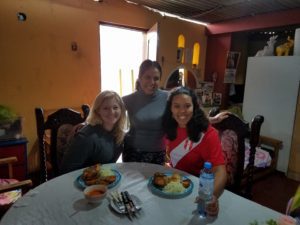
(205,93)
(206,86)
(217,99)
(232,62)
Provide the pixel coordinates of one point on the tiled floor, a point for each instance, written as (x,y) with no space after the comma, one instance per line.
(274,191)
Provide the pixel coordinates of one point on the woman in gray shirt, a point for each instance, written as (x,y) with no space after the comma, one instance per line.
(145,107)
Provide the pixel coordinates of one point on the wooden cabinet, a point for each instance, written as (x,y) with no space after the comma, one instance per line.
(294,165)
(16,148)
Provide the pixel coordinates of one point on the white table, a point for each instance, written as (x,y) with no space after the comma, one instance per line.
(59,202)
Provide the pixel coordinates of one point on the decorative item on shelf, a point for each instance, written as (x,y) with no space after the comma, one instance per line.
(10,124)
(268,50)
(285,49)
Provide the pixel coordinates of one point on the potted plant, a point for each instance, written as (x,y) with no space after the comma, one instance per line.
(10,124)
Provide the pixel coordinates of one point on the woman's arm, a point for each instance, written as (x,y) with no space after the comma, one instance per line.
(218,118)
(76,154)
(220,179)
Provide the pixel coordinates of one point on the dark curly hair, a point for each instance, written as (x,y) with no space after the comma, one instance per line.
(197,124)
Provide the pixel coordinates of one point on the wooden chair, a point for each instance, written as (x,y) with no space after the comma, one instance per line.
(233,133)
(11,184)
(48,157)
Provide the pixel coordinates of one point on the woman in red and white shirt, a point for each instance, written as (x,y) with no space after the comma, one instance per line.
(191,140)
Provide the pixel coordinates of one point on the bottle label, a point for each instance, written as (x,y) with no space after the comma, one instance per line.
(206,187)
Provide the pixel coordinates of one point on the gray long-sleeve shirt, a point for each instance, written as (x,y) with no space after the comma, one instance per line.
(145,115)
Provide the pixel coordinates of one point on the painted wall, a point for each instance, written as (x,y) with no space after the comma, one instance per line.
(38,68)
(169,30)
(217,48)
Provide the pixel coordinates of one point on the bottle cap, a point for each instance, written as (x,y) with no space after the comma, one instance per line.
(207,165)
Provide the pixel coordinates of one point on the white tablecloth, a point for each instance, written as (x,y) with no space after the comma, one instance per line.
(60,202)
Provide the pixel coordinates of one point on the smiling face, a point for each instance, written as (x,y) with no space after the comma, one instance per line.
(182,109)
(110,113)
(149,80)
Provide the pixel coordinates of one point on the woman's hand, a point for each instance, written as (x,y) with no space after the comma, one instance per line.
(167,164)
(211,207)
(219,117)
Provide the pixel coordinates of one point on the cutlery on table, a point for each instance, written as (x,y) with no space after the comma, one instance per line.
(114,196)
(127,205)
(132,204)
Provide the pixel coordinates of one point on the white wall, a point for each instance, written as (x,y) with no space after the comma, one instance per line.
(271,90)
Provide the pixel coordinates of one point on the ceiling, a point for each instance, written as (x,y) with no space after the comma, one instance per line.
(214,11)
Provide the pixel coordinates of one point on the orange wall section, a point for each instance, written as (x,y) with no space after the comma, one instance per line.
(38,67)
(169,30)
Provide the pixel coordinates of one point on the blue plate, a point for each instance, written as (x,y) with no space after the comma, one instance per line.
(81,184)
(160,192)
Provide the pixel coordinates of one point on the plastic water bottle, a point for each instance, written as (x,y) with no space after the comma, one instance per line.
(206,188)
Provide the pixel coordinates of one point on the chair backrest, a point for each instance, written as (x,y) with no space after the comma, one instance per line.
(51,124)
(233,133)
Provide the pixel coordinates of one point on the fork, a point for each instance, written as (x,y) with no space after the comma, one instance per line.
(115,198)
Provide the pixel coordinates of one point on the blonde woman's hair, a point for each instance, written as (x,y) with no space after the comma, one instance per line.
(94,118)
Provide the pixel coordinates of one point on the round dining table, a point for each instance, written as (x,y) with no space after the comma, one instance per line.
(60,201)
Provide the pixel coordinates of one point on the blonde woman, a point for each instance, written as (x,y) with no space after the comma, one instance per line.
(101,140)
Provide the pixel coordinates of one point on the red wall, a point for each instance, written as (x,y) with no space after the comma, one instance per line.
(217,48)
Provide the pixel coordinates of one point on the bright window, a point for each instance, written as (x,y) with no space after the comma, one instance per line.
(121,53)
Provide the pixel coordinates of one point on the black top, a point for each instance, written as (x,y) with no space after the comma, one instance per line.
(91,145)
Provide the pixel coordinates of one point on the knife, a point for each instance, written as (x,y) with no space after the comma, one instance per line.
(133,207)
(127,205)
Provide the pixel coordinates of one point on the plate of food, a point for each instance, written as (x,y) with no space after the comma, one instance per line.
(98,174)
(170,185)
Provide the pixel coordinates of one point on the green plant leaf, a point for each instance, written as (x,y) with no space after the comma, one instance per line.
(7,114)
(296,200)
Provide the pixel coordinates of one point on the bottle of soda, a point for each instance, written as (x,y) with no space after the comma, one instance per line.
(206,188)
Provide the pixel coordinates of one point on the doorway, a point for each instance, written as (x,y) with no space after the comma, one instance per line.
(121,52)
